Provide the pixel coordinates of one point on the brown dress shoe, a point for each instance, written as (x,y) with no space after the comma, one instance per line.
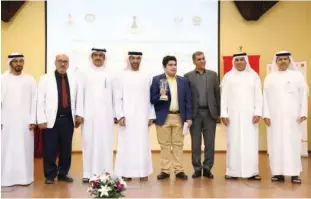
(163,175)
(181,175)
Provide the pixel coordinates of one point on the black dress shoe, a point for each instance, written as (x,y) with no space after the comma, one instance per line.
(65,178)
(49,181)
(197,174)
(207,173)
(163,175)
(85,180)
(181,175)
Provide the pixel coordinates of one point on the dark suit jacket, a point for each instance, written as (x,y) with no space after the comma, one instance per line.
(213,92)
(162,107)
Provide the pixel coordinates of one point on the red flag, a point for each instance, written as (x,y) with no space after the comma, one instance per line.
(38,143)
(253,61)
(38,139)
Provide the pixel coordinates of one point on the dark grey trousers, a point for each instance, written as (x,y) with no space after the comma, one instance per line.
(203,124)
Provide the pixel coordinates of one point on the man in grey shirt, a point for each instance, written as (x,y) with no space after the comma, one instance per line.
(205,93)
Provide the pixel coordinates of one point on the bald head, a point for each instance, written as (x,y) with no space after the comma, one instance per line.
(61,56)
(61,63)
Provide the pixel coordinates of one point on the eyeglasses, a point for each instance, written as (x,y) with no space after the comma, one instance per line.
(62,61)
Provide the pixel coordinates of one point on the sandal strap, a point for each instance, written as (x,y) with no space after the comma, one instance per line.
(277,178)
(255,177)
(296,179)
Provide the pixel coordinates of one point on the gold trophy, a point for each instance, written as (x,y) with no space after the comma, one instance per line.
(163,85)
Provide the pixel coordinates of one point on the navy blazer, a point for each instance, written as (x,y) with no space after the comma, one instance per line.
(162,107)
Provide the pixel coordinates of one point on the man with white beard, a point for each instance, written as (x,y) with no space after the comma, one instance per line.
(285,108)
(55,117)
(135,114)
(95,111)
(241,108)
(18,102)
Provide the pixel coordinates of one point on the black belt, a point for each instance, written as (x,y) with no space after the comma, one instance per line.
(63,116)
(173,112)
(203,107)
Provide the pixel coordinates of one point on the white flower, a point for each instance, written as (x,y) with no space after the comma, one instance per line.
(104,178)
(104,191)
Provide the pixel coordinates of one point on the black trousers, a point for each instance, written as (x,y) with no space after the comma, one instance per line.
(203,124)
(58,139)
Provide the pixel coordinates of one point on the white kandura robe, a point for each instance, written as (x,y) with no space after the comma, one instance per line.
(95,103)
(241,99)
(133,102)
(285,101)
(18,100)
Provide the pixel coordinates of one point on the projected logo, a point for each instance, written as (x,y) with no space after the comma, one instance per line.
(196,21)
(89,18)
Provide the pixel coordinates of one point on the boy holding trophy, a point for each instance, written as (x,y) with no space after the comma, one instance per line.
(171,96)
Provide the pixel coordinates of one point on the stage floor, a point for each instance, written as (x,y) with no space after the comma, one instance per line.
(198,188)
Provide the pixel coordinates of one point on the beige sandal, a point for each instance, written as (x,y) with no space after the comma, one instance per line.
(127,179)
(255,177)
(144,179)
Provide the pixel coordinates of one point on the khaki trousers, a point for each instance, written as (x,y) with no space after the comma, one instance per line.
(171,140)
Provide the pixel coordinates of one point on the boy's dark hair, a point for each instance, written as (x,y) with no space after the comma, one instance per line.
(168,58)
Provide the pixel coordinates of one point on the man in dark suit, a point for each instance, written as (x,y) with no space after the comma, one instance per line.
(204,85)
(171,113)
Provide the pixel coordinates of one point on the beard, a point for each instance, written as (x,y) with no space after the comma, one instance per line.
(18,68)
(98,62)
(284,65)
(135,66)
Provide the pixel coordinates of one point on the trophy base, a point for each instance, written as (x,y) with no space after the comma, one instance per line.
(163,98)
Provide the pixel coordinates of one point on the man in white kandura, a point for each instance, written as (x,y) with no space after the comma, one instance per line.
(135,114)
(285,108)
(241,108)
(18,102)
(95,110)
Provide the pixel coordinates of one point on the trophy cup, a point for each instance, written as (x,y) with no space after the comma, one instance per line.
(163,85)
(134,27)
